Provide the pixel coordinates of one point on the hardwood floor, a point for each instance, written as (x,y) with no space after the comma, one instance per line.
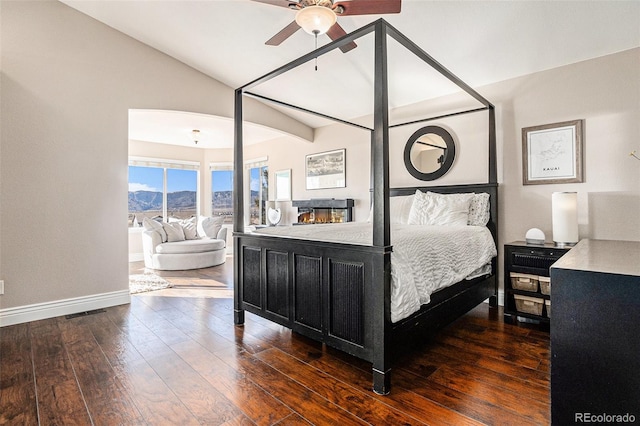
(180,360)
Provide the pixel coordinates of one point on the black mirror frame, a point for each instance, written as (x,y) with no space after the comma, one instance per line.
(449,154)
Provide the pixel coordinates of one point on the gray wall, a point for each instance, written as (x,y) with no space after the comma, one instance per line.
(67,83)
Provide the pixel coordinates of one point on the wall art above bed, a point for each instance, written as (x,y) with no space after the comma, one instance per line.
(326,169)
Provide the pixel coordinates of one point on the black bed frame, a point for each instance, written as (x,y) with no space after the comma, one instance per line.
(339,294)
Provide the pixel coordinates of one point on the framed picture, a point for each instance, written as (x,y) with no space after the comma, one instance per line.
(552,153)
(326,170)
(283,185)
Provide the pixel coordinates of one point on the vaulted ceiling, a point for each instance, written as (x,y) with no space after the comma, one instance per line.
(480,41)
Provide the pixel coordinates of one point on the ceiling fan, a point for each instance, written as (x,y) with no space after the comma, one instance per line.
(319,16)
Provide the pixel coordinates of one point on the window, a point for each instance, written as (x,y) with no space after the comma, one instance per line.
(222,192)
(145,194)
(159,189)
(259,190)
(182,193)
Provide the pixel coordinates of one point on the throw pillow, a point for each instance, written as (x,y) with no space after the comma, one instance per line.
(189,226)
(479,213)
(434,209)
(174,232)
(152,225)
(212,225)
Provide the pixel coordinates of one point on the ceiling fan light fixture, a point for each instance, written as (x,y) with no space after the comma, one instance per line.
(316,19)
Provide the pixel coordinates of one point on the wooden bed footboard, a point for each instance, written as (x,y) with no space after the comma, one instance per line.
(319,289)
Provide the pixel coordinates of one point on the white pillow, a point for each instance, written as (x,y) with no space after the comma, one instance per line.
(152,225)
(479,212)
(399,208)
(190,228)
(174,231)
(435,209)
(211,226)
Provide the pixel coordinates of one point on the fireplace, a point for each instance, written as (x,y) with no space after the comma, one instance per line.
(324,210)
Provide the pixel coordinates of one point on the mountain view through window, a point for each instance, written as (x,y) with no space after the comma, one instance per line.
(147,196)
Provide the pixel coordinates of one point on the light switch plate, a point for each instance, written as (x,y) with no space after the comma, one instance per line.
(1,286)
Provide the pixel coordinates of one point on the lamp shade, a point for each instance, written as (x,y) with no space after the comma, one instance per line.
(316,19)
(564,216)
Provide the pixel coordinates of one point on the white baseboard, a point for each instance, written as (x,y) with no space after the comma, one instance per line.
(39,311)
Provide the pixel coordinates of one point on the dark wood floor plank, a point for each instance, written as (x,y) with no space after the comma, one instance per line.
(485,350)
(107,400)
(153,398)
(400,398)
(60,400)
(156,401)
(362,404)
(203,400)
(523,346)
(18,403)
(293,420)
(303,400)
(460,402)
(425,363)
(159,326)
(493,394)
(538,380)
(256,403)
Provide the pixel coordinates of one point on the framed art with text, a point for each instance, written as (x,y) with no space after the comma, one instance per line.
(552,153)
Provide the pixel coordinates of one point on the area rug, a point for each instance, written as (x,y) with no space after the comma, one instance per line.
(141,283)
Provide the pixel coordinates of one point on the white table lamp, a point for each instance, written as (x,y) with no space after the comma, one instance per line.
(564,215)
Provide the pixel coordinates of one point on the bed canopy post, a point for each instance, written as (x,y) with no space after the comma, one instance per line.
(381,315)
(493,168)
(238,205)
(493,179)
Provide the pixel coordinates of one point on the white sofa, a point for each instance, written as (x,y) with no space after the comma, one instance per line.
(181,245)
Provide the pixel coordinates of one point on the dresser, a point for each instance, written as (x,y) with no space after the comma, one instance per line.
(595,333)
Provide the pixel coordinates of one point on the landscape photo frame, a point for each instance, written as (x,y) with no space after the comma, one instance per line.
(552,153)
(326,169)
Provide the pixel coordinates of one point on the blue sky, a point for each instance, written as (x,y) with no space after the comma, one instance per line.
(150,179)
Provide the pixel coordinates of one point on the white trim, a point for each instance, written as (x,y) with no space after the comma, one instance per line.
(163,163)
(39,311)
(226,166)
(500,298)
(256,162)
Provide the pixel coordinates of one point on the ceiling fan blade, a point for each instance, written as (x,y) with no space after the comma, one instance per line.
(282,3)
(335,32)
(284,34)
(369,7)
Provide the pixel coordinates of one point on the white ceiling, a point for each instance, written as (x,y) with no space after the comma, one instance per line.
(482,42)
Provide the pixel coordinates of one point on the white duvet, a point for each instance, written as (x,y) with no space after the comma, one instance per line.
(424,258)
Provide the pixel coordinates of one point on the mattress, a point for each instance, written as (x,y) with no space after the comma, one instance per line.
(424,259)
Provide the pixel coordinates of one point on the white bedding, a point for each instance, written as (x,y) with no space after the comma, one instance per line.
(424,259)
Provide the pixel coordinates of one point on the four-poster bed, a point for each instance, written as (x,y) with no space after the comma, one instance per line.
(340,293)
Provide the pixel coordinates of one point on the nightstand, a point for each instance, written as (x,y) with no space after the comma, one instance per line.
(526,280)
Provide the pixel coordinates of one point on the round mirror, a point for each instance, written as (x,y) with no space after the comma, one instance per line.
(429,153)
